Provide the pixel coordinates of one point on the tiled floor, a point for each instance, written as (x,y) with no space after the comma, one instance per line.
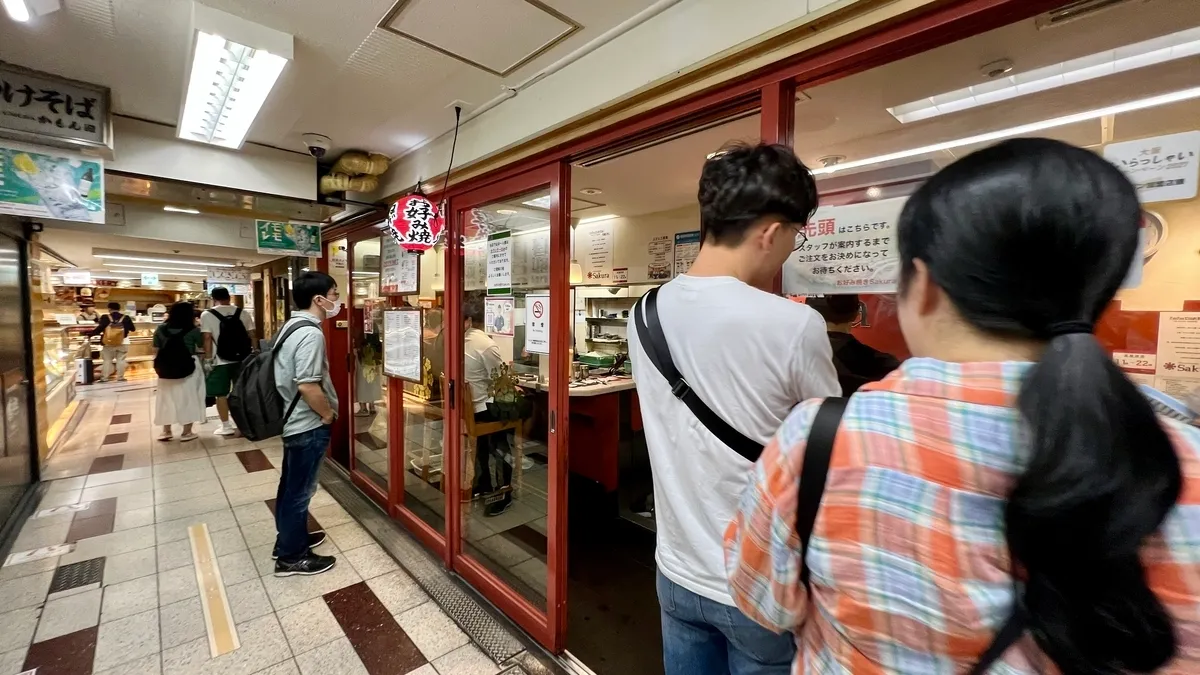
(102,578)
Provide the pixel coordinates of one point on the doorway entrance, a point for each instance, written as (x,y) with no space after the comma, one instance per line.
(18,449)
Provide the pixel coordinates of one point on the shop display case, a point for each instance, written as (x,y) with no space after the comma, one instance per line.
(58,360)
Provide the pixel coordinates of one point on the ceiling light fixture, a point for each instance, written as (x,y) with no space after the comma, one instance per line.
(17,10)
(234,66)
(113,256)
(180,209)
(1131,57)
(1034,127)
(156,267)
(597,219)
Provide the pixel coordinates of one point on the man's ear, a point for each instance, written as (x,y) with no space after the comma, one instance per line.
(772,230)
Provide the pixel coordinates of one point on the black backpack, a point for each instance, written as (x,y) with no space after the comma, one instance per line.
(173,360)
(255,403)
(233,344)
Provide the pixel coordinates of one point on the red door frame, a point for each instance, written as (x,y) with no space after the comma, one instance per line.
(549,627)
(378,494)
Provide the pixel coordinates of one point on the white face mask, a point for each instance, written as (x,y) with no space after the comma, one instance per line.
(334,310)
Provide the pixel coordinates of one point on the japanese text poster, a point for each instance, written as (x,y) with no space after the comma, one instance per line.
(287,238)
(1164,168)
(659,250)
(40,104)
(594,248)
(49,183)
(1178,369)
(499,263)
(402,344)
(398,269)
(687,247)
(847,249)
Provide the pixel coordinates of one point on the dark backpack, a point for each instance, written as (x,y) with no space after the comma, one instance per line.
(255,403)
(173,360)
(233,344)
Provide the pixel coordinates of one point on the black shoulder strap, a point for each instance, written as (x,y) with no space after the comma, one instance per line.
(818,451)
(237,313)
(1010,632)
(300,323)
(654,342)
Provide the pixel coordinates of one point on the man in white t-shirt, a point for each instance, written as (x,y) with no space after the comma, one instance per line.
(751,356)
(226,358)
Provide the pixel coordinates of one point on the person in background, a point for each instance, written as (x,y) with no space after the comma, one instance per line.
(434,342)
(481,358)
(1007,495)
(302,375)
(114,329)
(856,363)
(235,341)
(751,356)
(87,314)
(180,398)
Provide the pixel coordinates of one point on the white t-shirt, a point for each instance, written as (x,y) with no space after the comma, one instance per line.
(481,357)
(211,324)
(751,356)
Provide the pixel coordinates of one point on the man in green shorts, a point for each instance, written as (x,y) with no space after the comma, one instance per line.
(228,339)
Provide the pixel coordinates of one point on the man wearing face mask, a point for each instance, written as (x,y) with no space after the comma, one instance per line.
(302,367)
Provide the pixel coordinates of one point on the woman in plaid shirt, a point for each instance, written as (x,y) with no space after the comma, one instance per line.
(1010,475)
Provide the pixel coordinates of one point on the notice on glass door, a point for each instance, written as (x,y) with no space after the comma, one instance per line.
(499,263)
(537,323)
(1177,372)
(398,269)
(402,344)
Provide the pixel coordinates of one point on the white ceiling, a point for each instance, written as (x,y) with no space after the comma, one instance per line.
(77,246)
(362,86)
(848,117)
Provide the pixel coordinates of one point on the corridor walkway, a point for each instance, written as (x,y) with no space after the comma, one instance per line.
(146,557)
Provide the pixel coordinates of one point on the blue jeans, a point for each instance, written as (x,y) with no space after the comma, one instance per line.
(302,455)
(703,637)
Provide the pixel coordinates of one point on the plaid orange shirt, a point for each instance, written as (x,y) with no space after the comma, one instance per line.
(909,567)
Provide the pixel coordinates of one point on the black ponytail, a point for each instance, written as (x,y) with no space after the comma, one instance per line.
(1031,239)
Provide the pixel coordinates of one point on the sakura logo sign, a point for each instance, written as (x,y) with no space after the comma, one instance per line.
(415,223)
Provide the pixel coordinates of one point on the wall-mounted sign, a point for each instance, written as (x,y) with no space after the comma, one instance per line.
(660,250)
(687,247)
(1164,168)
(847,249)
(415,223)
(499,263)
(594,246)
(1177,363)
(42,107)
(48,183)
(537,323)
(149,278)
(288,238)
(76,277)
(228,276)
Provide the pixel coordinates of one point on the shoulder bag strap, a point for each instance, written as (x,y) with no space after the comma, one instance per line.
(654,342)
(818,451)
(1010,632)
(275,350)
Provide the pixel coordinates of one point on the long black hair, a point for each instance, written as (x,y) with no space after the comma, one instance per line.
(1031,239)
(182,316)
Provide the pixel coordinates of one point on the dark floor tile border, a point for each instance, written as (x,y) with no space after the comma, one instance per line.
(528,539)
(254,460)
(97,507)
(313,525)
(496,635)
(121,419)
(86,528)
(70,654)
(119,437)
(381,644)
(370,441)
(107,463)
(76,575)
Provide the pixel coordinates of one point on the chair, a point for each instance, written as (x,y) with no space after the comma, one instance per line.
(473,430)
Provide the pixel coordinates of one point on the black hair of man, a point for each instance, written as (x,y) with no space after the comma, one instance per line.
(220,294)
(308,286)
(743,184)
(114,306)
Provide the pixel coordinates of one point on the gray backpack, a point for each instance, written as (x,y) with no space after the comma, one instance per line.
(255,403)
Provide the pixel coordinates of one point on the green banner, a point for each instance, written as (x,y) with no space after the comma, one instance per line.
(285,238)
(48,183)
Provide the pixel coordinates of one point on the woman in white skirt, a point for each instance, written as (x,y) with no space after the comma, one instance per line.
(180,397)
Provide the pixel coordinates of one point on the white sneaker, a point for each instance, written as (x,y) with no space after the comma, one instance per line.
(225,430)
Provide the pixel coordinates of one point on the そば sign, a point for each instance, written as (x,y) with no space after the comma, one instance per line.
(415,223)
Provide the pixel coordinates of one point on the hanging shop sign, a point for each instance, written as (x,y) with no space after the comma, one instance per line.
(228,276)
(1164,168)
(402,344)
(687,247)
(537,323)
(415,223)
(847,249)
(287,238)
(149,279)
(76,277)
(45,108)
(399,270)
(499,263)
(49,183)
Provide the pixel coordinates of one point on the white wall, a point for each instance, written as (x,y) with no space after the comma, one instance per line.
(150,149)
(677,41)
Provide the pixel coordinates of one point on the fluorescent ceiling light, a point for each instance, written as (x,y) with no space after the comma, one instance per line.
(17,10)
(1130,57)
(539,203)
(506,212)
(179,209)
(113,256)
(597,219)
(155,267)
(234,65)
(1034,127)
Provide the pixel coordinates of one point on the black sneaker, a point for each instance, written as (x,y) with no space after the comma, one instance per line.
(499,507)
(315,539)
(307,566)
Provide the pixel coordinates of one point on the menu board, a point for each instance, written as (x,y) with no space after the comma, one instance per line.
(399,271)
(1177,372)
(687,247)
(660,250)
(594,244)
(402,345)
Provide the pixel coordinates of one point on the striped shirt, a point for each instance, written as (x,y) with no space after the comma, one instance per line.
(909,567)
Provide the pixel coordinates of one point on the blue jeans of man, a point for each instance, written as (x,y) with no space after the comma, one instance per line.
(703,637)
(302,455)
